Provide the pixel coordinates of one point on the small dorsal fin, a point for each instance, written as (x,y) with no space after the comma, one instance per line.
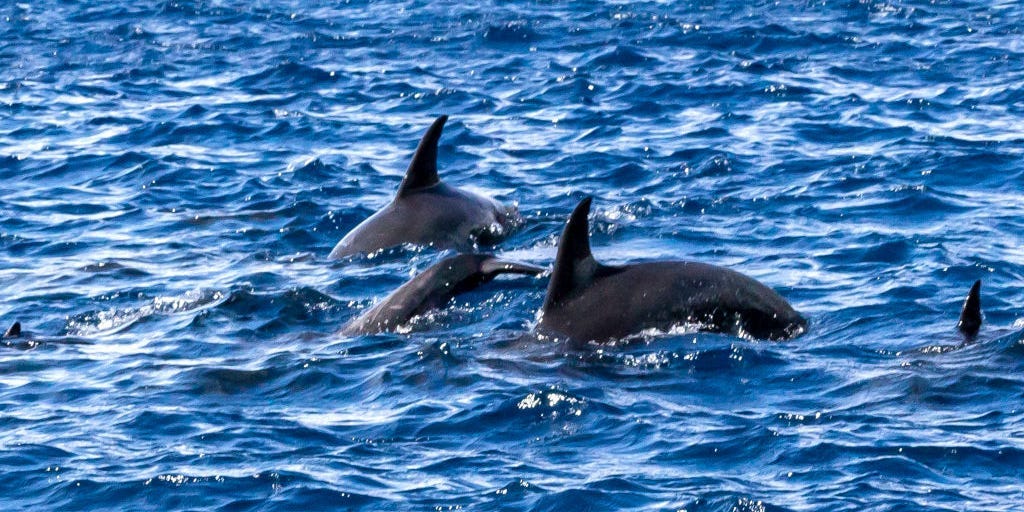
(970,315)
(575,266)
(14,331)
(422,170)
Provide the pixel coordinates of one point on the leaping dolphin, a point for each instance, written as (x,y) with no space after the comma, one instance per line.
(588,301)
(432,288)
(428,212)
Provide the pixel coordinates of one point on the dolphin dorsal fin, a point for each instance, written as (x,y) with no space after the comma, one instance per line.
(970,315)
(575,266)
(14,331)
(422,170)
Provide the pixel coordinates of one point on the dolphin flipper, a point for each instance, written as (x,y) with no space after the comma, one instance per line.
(422,172)
(495,266)
(970,315)
(14,331)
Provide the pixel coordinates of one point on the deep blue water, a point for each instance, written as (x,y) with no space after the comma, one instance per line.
(174,173)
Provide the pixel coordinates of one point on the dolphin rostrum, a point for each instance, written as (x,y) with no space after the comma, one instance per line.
(428,212)
(588,301)
(432,288)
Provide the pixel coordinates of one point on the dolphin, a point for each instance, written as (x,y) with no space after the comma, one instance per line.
(426,211)
(16,338)
(432,288)
(588,301)
(970,315)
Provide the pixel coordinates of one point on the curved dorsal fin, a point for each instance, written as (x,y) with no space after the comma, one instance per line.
(422,170)
(575,266)
(970,315)
(14,331)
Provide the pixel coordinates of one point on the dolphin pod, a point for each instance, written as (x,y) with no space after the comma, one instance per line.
(586,301)
(590,301)
(460,273)
(426,211)
(434,287)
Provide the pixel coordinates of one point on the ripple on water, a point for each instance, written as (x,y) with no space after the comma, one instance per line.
(173,177)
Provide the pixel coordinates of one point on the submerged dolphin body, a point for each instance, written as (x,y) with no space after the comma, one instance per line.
(587,301)
(426,211)
(16,338)
(432,288)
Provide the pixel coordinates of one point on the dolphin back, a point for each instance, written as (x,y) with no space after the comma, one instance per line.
(428,212)
(587,301)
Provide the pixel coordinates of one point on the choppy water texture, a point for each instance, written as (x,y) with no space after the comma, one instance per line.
(174,173)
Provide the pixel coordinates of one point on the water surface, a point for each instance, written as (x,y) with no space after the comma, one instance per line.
(174,173)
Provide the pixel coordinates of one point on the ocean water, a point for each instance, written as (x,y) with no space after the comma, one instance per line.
(173,174)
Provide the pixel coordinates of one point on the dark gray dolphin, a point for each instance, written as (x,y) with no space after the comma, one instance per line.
(26,340)
(432,288)
(587,301)
(426,211)
(970,315)
(15,338)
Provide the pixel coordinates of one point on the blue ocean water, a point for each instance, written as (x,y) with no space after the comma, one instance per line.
(173,174)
